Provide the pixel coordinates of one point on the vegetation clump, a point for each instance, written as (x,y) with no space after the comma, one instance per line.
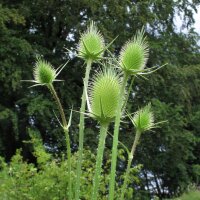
(92,146)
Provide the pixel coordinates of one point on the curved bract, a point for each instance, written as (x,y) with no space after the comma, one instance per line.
(104,95)
(134,54)
(44,73)
(91,45)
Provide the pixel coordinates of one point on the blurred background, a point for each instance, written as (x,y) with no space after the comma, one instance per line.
(170,156)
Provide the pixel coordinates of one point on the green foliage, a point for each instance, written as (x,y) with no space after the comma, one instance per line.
(191,195)
(15,54)
(21,180)
(7,15)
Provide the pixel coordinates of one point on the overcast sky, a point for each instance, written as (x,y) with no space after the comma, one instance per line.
(178,21)
(197,21)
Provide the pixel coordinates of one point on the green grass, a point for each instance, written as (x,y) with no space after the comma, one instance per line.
(192,195)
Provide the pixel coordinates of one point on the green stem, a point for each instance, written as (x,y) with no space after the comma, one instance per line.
(128,94)
(99,158)
(60,108)
(81,130)
(69,161)
(65,128)
(130,159)
(115,138)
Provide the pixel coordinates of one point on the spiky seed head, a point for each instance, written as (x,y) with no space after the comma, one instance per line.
(143,119)
(134,54)
(91,44)
(44,73)
(104,95)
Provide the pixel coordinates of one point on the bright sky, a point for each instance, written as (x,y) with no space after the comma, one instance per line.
(197,21)
(178,22)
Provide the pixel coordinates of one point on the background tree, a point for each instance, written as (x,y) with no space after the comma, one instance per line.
(46,27)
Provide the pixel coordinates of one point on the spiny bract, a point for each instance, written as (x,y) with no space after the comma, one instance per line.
(104,95)
(91,45)
(44,73)
(134,54)
(143,119)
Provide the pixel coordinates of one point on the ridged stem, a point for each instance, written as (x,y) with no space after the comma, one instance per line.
(65,128)
(128,93)
(115,138)
(99,159)
(81,130)
(60,108)
(130,159)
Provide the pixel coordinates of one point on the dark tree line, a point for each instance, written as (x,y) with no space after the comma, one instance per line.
(170,154)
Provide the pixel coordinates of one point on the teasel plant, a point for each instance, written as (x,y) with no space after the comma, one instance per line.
(132,60)
(90,48)
(102,103)
(142,120)
(44,75)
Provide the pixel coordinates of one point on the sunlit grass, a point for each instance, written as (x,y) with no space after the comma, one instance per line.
(192,195)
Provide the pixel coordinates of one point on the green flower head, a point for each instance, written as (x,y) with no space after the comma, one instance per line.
(91,44)
(44,73)
(134,54)
(104,95)
(143,119)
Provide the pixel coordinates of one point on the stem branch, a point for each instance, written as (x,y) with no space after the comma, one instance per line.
(65,128)
(81,129)
(130,159)
(99,158)
(115,138)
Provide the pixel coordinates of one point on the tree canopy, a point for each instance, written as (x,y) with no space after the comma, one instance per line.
(170,154)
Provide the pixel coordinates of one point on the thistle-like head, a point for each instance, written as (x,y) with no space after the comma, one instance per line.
(91,44)
(44,73)
(104,95)
(134,54)
(143,119)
